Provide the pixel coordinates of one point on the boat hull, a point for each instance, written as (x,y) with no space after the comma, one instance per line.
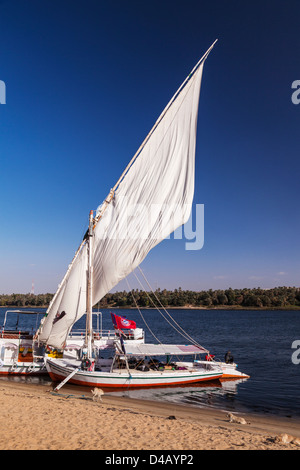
(17,356)
(15,361)
(229,371)
(25,368)
(58,371)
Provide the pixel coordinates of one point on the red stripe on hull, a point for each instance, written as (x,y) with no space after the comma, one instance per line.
(232,376)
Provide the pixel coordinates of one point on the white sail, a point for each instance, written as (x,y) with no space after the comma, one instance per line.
(152,198)
(68,304)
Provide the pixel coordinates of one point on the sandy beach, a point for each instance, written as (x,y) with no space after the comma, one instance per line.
(35,418)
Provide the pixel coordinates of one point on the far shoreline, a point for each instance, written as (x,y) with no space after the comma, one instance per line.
(183,307)
(219,307)
(280,298)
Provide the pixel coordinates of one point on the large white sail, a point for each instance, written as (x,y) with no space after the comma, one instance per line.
(152,198)
(69,303)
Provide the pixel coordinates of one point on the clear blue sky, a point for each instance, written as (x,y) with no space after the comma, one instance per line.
(85,81)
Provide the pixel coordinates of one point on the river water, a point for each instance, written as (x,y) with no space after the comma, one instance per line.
(260,341)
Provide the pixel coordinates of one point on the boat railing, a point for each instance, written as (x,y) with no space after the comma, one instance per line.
(107,334)
(98,334)
(207,361)
(208,365)
(217,359)
(15,334)
(222,362)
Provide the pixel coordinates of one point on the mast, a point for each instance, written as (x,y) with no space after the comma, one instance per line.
(89,295)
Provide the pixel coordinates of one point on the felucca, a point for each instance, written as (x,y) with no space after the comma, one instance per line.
(150,200)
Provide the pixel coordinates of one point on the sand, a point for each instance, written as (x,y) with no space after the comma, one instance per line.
(32,417)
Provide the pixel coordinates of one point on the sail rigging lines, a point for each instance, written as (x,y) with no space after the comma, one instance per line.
(143,318)
(179,329)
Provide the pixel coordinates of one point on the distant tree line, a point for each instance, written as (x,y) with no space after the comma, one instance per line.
(256,298)
(278,297)
(25,300)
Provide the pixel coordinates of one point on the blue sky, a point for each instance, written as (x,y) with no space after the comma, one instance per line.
(85,81)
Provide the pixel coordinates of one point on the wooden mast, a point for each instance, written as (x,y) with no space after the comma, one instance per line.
(89,295)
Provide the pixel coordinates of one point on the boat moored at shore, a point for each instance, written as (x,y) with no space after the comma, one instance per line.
(136,366)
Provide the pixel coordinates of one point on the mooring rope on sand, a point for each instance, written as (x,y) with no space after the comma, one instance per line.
(68,395)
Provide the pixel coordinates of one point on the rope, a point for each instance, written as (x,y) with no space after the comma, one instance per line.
(80,397)
(184,334)
(135,302)
(158,308)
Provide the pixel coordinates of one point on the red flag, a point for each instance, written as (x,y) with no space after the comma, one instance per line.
(121,323)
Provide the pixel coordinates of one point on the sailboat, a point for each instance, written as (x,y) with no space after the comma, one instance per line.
(22,354)
(150,200)
(19,353)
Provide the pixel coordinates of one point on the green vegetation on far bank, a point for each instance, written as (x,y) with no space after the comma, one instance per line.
(256,298)
(25,300)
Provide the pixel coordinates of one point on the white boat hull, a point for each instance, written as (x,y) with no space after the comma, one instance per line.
(23,368)
(12,352)
(229,371)
(59,370)
(19,356)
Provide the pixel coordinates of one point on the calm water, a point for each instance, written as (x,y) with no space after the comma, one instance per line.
(260,342)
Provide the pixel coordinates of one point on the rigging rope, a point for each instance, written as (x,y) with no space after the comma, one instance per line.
(184,334)
(135,302)
(155,306)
